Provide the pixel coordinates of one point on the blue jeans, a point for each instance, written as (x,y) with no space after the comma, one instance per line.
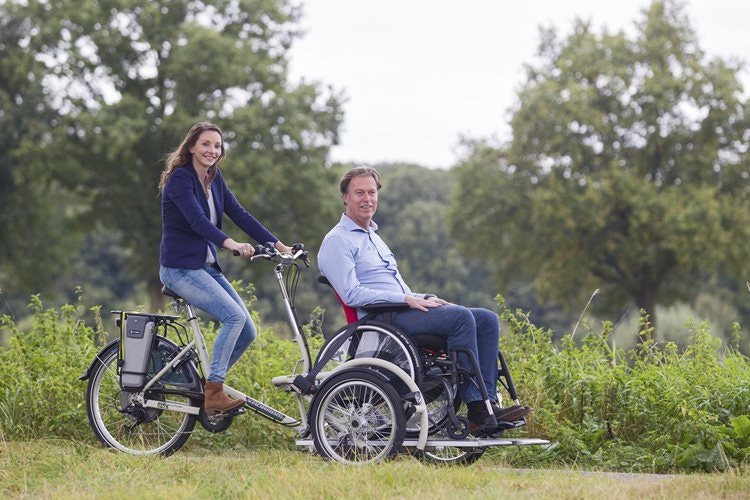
(209,290)
(475,329)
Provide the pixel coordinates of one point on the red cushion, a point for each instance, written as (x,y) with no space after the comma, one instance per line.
(349,312)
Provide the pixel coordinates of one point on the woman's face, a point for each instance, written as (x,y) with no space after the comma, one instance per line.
(207,149)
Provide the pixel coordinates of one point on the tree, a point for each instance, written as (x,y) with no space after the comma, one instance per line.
(627,169)
(36,234)
(138,75)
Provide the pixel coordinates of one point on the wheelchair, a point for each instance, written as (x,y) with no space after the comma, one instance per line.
(435,370)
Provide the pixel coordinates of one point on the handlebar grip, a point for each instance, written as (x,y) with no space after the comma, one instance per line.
(259,250)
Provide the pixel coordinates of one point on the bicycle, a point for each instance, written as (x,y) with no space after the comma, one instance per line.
(145,391)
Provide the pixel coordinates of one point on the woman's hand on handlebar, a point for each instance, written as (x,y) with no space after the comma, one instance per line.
(242,249)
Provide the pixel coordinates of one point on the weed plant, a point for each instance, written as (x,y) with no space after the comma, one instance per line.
(655,408)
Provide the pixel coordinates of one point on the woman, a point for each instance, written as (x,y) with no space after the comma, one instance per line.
(194,201)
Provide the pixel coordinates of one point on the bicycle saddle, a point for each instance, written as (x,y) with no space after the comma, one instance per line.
(170,293)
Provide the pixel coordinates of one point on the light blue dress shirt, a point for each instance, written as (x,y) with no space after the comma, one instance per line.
(360,266)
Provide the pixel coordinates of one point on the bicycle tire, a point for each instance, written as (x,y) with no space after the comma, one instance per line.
(357,418)
(125,426)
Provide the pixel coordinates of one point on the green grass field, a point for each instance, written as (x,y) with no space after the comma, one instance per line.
(65,469)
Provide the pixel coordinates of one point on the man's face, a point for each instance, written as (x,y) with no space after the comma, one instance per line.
(361,200)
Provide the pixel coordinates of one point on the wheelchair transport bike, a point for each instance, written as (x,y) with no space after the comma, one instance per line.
(370,392)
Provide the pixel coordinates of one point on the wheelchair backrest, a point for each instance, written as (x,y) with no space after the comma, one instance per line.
(349,312)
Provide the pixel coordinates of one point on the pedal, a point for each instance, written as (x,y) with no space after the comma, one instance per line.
(236,411)
(231,413)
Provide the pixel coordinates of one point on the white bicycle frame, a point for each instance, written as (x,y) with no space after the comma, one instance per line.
(198,344)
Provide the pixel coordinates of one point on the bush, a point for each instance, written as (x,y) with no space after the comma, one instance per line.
(649,408)
(655,408)
(39,367)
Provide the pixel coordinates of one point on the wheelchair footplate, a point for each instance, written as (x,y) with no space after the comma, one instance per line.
(476,442)
(457,443)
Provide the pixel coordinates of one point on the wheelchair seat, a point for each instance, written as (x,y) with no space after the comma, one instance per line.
(426,341)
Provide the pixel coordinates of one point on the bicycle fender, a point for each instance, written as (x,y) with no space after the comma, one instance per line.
(87,373)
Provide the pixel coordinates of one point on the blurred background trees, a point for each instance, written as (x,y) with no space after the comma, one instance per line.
(627,170)
(124,81)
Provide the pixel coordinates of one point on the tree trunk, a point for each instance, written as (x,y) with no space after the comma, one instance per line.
(155,297)
(646,301)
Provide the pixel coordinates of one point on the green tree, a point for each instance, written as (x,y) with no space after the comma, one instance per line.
(627,169)
(139,74)
(35,211)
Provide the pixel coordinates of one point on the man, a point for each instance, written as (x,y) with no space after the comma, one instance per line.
(362,270)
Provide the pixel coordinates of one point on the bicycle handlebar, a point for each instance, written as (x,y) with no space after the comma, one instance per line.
(269,252)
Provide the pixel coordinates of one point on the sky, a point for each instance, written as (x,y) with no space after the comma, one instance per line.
(420,74)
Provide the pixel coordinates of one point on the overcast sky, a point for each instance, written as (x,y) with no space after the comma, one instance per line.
(420,73)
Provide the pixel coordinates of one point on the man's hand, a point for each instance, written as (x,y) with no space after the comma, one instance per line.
(440,301)
(282,247)
(424,304)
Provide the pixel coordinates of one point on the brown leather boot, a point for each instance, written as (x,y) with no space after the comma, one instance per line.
(215,401)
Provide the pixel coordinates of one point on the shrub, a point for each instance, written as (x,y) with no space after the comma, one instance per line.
(652,408)
(655,408)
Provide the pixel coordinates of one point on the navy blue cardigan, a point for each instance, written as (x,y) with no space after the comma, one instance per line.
(186,225)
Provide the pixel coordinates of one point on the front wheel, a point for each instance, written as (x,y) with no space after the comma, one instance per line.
(357,417)
(122,423)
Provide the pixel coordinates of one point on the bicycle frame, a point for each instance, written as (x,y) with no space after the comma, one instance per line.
(198,344)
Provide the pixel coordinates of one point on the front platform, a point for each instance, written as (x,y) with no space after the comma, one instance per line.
(457,443)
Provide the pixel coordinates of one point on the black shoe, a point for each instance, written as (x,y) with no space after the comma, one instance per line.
(511,413)
(480,421)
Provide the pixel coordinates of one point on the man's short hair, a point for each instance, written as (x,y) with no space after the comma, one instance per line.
(356,172)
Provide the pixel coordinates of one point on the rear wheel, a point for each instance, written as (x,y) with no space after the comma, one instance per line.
(449,455)
(436,398)
(357,417)
(119,419)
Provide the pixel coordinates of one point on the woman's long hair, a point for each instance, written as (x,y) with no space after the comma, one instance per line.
(182,155)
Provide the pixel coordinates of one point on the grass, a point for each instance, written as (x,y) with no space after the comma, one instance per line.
(65,469)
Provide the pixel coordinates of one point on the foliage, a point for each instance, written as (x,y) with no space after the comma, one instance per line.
(654,410)
(136,76)
(39,393)
(42,396)
(30,197)
(627,169)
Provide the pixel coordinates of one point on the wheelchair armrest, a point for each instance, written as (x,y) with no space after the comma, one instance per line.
(382,307)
